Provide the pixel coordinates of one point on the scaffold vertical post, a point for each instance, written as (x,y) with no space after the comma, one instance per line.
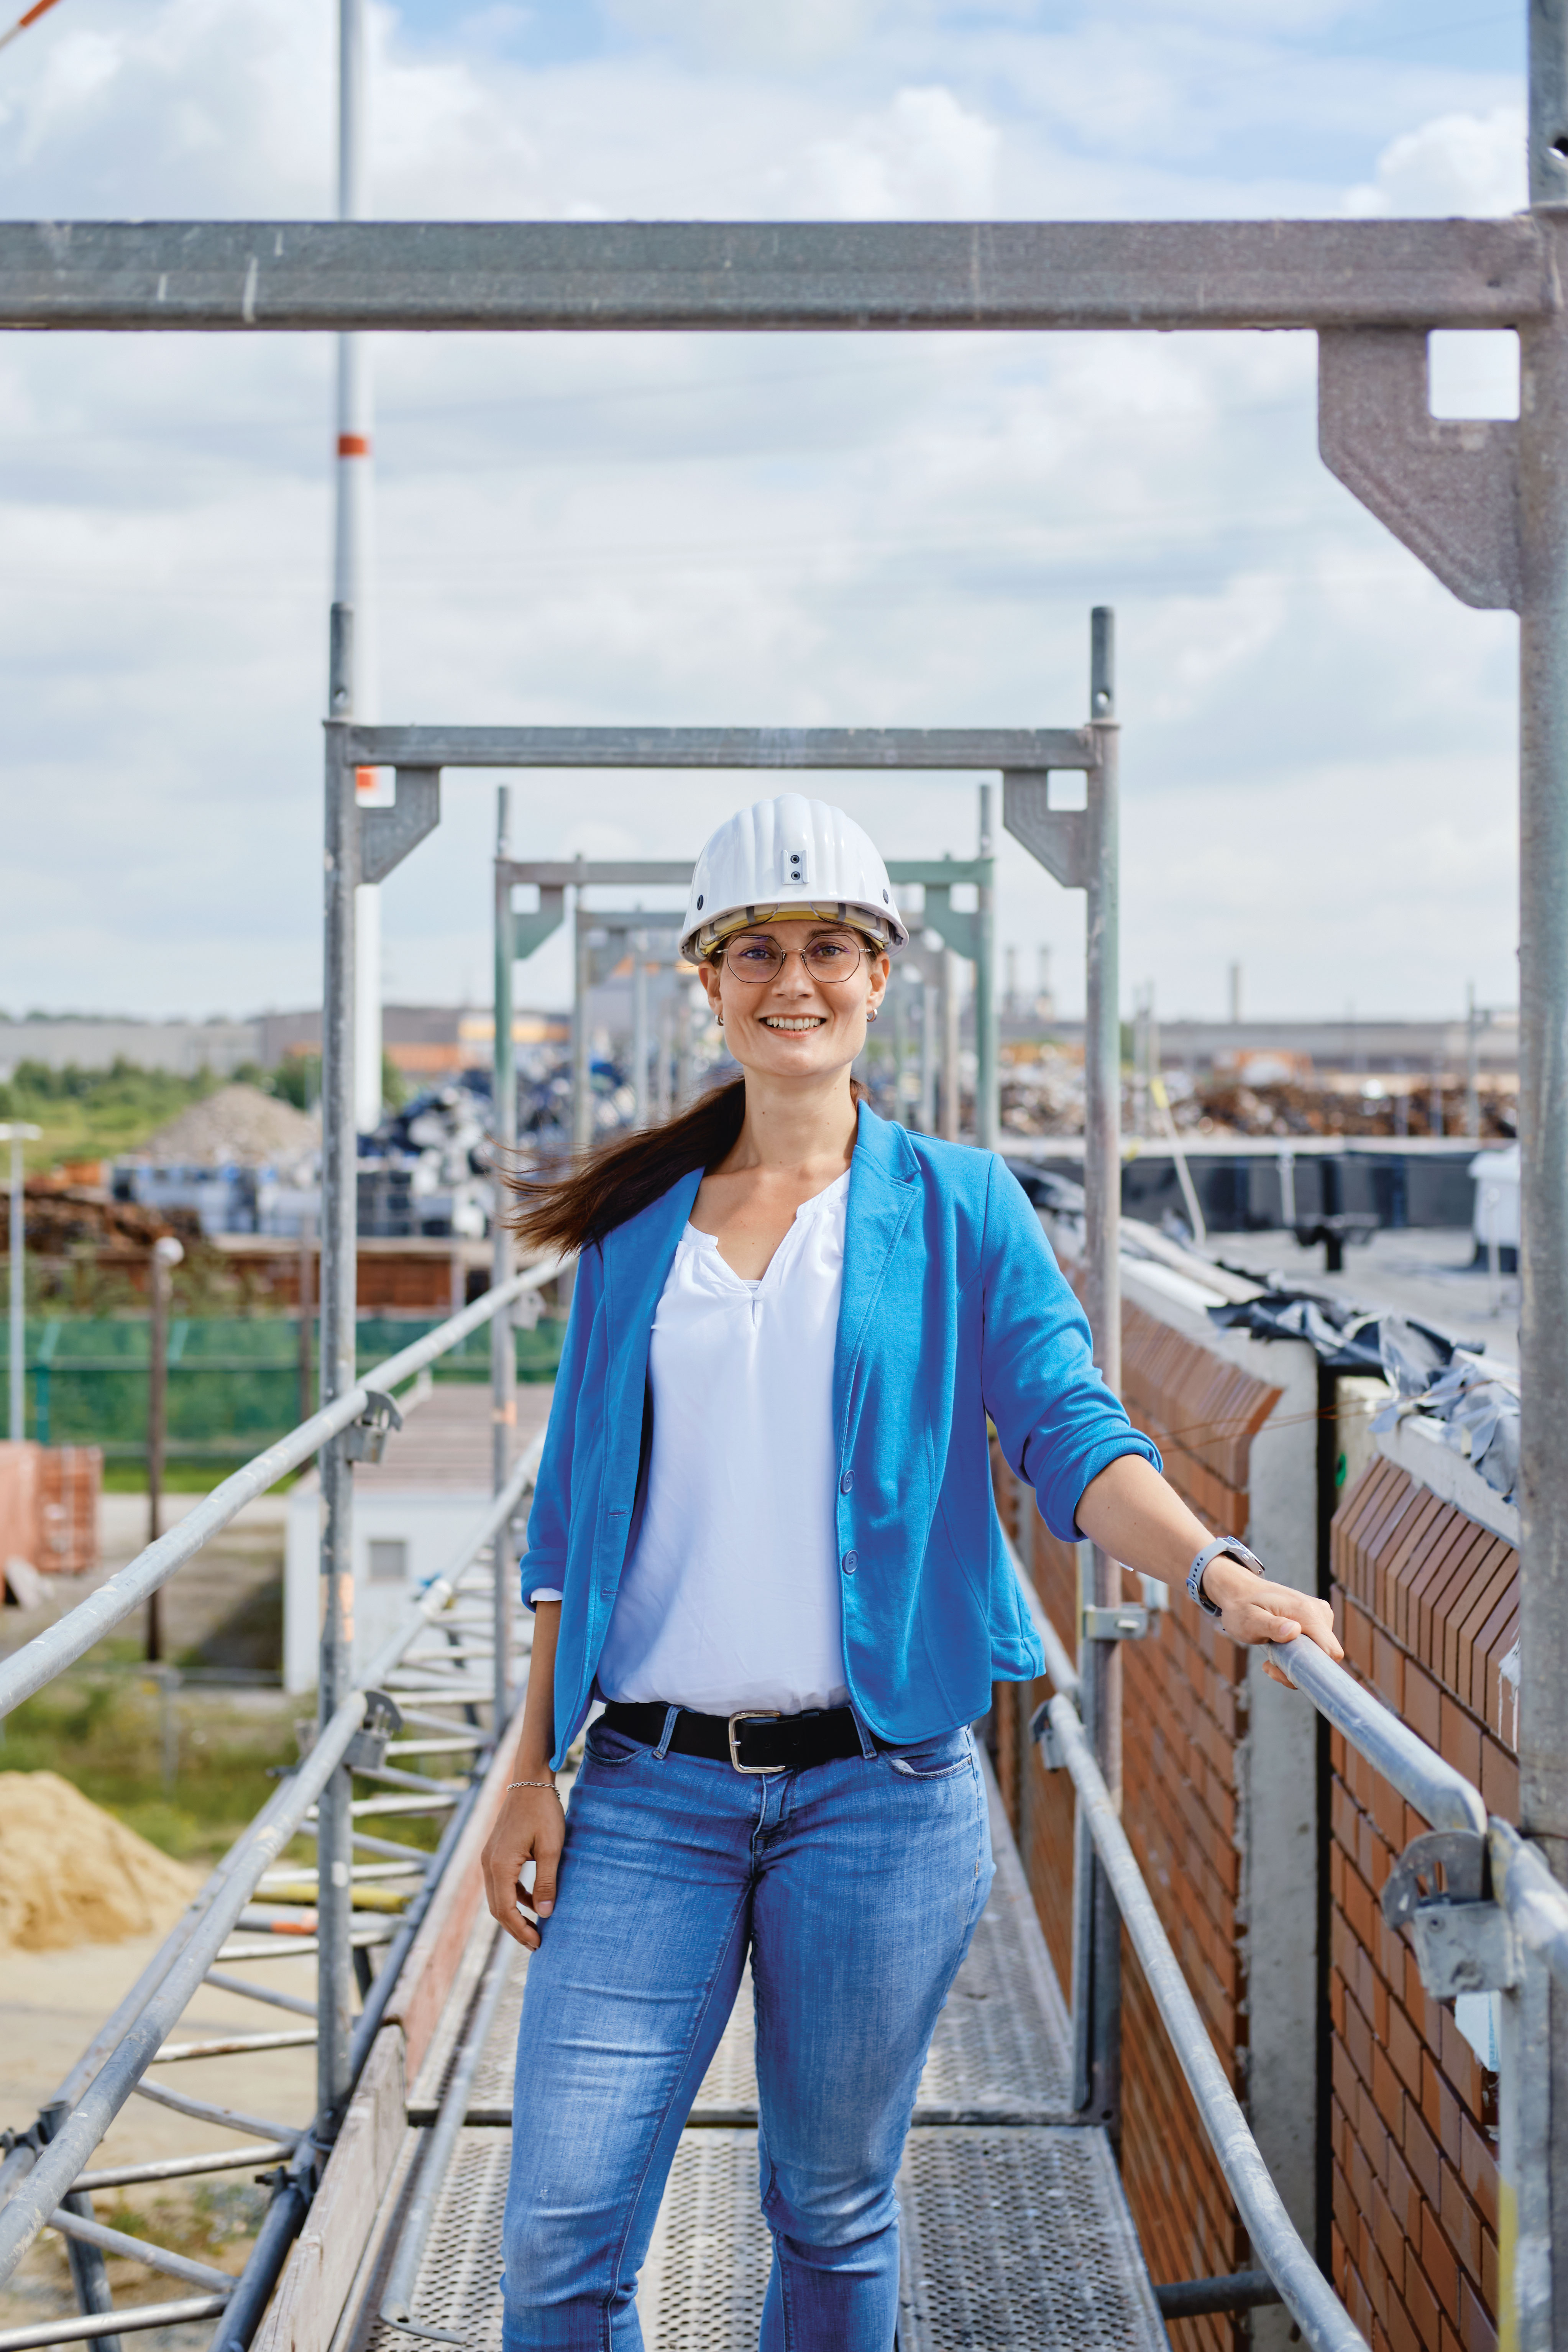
(582,1062)
(1098,2010)
(503,1346)
(985,1088)
(1533,2221)
(639,1028)
(952,1088)
(339,1301)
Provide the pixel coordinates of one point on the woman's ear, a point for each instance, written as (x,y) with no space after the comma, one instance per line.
(708,975)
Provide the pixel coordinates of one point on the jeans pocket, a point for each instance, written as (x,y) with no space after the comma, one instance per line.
(933,1759)
(612,1748)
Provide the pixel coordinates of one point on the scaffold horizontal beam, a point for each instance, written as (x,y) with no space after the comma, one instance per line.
(1031,749)
(489,275)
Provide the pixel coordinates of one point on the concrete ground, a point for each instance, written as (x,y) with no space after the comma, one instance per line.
(1428,1274)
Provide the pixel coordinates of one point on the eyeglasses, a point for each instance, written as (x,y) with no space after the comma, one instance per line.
(835,956)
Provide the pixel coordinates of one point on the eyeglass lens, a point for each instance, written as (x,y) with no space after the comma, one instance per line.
(829,958)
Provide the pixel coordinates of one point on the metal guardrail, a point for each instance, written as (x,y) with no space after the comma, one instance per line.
(72,1636)
(1311,2301)
(1533,1905)
(45,2169)
(1438,1793)
(56,2166)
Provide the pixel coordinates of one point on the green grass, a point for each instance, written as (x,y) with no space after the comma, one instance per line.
(99,1728)
(130,1477)
(94,1114)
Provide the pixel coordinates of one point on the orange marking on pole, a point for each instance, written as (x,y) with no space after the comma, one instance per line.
(39,8)
(350,445)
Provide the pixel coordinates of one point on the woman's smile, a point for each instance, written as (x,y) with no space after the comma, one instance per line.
(792,1020)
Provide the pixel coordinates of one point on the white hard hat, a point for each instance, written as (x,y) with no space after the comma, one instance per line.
(789,855)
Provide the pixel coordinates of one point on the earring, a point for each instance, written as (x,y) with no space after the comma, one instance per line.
(721,1021)
(870,1013)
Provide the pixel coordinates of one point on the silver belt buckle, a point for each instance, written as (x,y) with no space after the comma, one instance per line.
(753,1715)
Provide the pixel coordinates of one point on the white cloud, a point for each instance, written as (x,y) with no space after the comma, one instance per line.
(798,528)
(1472,164)
(923,157)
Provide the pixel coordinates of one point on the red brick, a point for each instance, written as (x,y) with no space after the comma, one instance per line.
(1500,1781)
(1422,2302)
(1421,1708)
(1439,2105)
(1438,2261)
(1462,2224)
(1387,2091)
(1388,1812)
(1421,2154)
(1356,1902)
(1478,2169)
(1476,2330)
(1405,2049)
(1462,2068)
(1387,2235)
(1462,1741)
(1388,1669)
(1402,2336)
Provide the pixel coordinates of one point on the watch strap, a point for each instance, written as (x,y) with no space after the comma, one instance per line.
(1231,1549)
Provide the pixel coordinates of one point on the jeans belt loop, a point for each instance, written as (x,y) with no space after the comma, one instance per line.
(671,1718)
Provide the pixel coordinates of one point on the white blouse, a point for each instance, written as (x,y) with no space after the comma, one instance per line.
(730,1596)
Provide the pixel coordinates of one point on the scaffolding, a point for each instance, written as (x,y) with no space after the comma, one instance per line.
(1483,504)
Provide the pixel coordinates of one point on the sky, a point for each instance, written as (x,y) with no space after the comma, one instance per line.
(1318,743)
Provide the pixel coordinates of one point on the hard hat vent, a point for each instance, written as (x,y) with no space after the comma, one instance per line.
(797,866)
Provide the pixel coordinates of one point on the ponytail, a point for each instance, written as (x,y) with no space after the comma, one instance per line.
(608,1186)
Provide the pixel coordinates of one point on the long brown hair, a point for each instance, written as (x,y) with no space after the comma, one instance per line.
(606,1187)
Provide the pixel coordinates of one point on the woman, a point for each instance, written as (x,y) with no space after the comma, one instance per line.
(764,1534)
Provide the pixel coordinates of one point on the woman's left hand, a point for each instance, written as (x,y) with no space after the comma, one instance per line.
(1253,1611)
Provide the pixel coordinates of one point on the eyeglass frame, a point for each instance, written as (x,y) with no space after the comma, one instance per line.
(720,955)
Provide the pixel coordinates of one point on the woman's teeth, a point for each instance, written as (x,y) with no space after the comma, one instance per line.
(789,1022)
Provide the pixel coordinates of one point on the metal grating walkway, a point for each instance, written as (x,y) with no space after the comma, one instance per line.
(1015,2231)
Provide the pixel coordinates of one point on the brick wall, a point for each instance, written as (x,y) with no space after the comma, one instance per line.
(1185,1711)
(1427,1600)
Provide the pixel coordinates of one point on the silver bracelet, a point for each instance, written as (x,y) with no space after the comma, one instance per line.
(536,1784)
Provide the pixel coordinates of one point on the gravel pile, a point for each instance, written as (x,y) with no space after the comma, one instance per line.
(238,1126)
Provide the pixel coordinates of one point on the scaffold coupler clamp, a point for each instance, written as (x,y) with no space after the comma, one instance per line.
(366,1439)
(1128,1622)
(1440,1888)
(366,1751)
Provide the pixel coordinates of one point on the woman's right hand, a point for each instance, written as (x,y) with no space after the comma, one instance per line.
(530,1827)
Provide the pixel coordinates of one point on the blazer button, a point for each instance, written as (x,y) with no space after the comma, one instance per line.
(851,1562)
(847,1482)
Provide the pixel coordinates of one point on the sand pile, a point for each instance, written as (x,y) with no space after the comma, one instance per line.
(240,1123)
(72,1874)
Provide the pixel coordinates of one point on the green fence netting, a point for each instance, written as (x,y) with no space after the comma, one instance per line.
(234,1382)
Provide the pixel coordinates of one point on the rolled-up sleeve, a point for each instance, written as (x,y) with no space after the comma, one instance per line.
(1057,1423)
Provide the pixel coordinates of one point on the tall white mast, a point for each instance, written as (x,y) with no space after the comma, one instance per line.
(354,550)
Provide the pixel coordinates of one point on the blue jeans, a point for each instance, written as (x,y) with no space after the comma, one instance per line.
(855,1887)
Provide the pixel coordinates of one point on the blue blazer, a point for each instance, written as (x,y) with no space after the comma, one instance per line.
(953,1309)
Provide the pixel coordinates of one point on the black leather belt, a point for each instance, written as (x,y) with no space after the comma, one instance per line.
(750,1741)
